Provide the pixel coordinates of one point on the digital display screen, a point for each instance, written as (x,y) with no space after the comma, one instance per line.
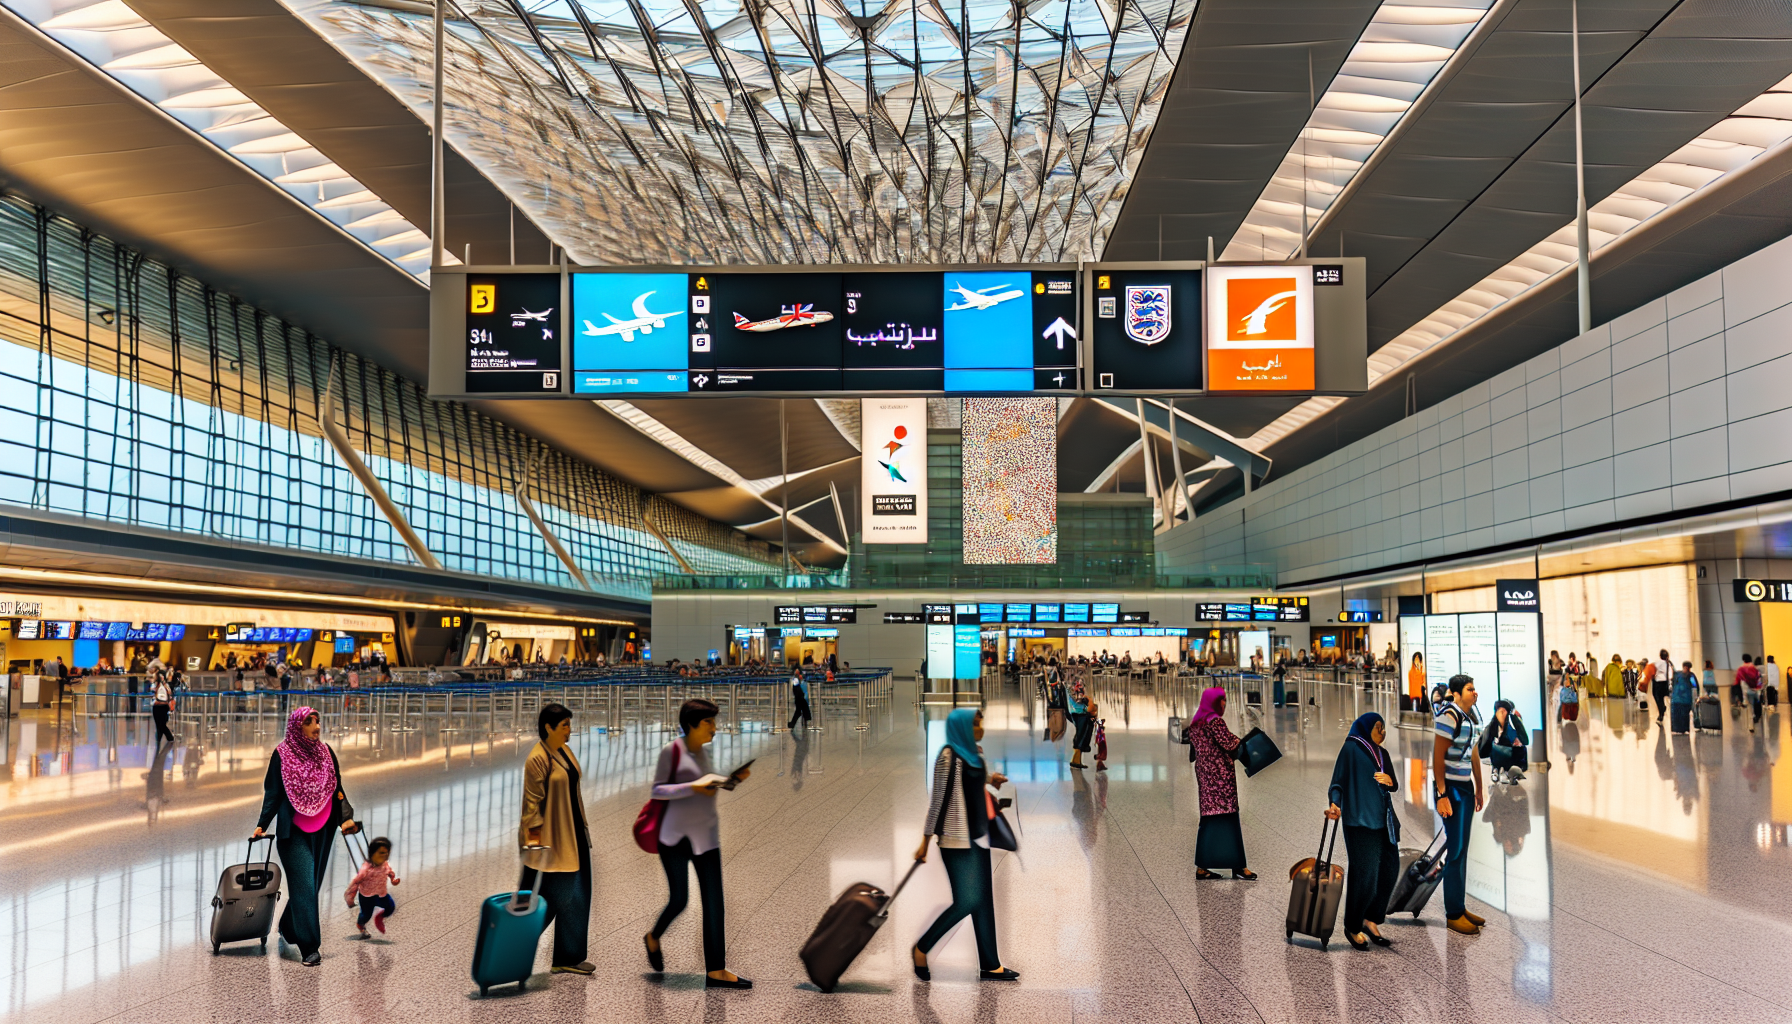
(1105,613)
(1260,328)
(905,331)
(1018,613)
(1135,616)
(1124,631)
(1025,632)
(303,637)
(1238,613)
(513,333)
(91,631)
(345,643)
(27,629)
(118,630)
(1265,612)
(1175,630)
(785,615)
(937,614)
(1048,612)
(1076,613)
(989,613)
(155,631)
(54,630)
(904,618)
(1328,640)
(1088,632)
(1210,612)
(1147,330)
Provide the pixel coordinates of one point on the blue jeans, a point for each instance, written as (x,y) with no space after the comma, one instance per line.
(1456,830)
(369,904)
(568,896)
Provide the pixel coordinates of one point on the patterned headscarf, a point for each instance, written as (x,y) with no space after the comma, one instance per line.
(306,766)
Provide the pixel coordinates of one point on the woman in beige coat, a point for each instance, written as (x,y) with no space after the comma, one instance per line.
(555,840)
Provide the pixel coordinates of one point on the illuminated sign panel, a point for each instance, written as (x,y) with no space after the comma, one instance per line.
(1260,328)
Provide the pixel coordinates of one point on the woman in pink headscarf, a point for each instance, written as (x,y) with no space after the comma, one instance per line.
(303,790)
(1220,842)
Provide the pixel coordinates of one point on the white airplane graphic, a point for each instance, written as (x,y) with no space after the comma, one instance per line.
(1254,320)
(541,317)
(644,321)
(981,298)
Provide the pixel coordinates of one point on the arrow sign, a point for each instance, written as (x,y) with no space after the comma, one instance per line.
(1058,329)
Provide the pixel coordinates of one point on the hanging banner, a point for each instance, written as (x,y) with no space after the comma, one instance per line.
(1011,482)
(893,470)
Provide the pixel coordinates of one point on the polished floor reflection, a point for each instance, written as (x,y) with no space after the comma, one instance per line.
(1644,877)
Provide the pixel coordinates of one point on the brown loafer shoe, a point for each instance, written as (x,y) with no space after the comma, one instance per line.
(1476,919)
(1465,926)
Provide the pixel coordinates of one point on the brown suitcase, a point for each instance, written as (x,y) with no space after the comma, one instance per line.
(846,929)
(1318,888)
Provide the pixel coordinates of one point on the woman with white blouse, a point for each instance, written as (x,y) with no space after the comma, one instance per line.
(690,836)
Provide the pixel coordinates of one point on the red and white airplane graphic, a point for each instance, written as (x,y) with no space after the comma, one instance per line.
(789,316)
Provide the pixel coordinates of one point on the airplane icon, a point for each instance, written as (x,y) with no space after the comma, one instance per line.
(541,317)
(644,321)
(800,315)
(981,298)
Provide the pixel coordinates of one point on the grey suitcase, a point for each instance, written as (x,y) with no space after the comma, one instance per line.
(1420,871)
(248,894)
(1318,888)
(1708,714)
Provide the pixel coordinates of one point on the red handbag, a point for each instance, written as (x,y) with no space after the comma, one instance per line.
(653,812)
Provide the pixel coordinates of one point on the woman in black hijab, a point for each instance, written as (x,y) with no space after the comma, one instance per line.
(1361,783)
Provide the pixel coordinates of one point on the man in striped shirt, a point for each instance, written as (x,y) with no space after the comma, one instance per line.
(1458,795)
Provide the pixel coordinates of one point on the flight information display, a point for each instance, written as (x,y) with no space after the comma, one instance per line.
(973,331)
(513,333)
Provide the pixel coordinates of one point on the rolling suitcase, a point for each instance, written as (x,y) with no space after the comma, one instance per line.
(1420,871)
(248,894)
(846,929)
(510,927)
(1318,887)
(1708,714)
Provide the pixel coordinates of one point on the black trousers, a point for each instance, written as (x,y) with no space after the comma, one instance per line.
(1374,868)
(160,713)
(305,856)
(568,896)
(1660,693)
(675,860)
(802,712)
(973,896)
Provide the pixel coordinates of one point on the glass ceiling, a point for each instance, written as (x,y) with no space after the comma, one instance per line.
(115,39)
(791,131)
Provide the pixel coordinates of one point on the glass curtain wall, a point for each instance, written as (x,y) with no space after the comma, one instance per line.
(134,394)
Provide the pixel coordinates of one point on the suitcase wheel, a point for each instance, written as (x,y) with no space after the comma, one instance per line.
(215,949)
(1323,943)
(1287,935)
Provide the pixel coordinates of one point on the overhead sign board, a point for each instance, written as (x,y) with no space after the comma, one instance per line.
(1122,328)
(1517,596)
(1761,591)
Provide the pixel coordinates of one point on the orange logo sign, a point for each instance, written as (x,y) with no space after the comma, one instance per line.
(1261,309)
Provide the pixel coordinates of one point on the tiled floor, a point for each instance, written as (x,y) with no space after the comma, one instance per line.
(1645,881)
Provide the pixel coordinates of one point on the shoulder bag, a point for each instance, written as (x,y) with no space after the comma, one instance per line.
(653,814)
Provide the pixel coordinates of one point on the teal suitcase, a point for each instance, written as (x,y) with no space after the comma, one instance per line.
(510,927)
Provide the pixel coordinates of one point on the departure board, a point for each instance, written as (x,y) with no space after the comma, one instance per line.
(978,331)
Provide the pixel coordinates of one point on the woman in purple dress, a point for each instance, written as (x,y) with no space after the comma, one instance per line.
(1220,843)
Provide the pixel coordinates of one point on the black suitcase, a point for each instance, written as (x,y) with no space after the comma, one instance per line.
(1318,888)
(248,894)
(1708,714)
(1420,871)
(846,929)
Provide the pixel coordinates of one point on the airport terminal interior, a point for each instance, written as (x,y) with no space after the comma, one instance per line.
(469,466)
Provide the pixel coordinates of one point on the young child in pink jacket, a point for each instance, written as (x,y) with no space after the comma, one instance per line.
(370,885)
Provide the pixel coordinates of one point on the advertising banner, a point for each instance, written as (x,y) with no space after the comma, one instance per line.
(1011,482)
(893,471)
(1260,328)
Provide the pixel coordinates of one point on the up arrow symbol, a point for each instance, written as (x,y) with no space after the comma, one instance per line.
(1058,329)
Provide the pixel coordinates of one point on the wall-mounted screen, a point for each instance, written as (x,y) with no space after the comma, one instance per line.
(27,629)
(54,630)
(513,333)
(91,631)
(1018,613)
(1048,613)
(1076,613)
(1105,613)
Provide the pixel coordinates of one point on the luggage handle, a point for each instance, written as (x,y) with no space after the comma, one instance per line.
(883,913)
(1323,861)
(520,907)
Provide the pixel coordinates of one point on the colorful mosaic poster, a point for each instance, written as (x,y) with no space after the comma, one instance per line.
(1010,481)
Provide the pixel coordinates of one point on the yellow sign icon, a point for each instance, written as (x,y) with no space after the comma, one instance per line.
(1039,289)
(702,284)
(482,298)
(1104,282)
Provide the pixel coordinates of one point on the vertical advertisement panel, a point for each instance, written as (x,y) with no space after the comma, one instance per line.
(1442,658)
(1479,658)
(968,645)
(1521,665)
(1010,450)
(1412,656)
(893,470)
(939,652)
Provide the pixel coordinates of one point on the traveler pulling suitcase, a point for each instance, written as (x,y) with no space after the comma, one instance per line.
(510,927)
(1318,888)
(846,929)
(1708,714)
(248,894)
(1420,871)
